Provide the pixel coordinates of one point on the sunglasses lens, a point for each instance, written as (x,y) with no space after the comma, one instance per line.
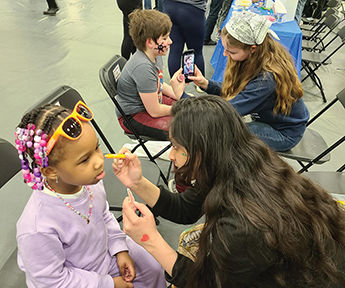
(83,111)
(72,128)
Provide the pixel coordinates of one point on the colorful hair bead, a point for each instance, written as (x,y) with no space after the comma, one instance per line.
(28,138)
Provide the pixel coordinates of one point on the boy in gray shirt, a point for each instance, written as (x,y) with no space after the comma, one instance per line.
(142,93)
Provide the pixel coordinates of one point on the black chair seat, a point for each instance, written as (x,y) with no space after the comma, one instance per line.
(311,145)
(333,182)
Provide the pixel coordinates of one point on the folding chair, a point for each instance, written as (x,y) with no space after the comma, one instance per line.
(318,44)
(330,22)
(10,274)
(332,181)
(109,75)
(319,23)
(313,148)
(330,4)
(312,61)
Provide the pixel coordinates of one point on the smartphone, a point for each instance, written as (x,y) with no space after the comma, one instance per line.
(188,58)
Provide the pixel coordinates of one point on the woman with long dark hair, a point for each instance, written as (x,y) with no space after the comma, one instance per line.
(266,226)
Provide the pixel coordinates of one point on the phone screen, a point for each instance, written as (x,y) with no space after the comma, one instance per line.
(188,64)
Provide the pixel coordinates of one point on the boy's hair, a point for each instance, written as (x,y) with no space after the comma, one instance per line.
(269,56)
(47,118)
(146,24)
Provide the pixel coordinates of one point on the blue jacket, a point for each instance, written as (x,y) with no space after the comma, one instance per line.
(258,99)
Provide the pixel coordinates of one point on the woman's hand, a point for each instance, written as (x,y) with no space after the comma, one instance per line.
(177,83)
(128,170)
(199,79)
(126,266)
(141,229)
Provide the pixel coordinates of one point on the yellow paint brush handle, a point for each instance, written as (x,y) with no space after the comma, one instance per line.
(117,156)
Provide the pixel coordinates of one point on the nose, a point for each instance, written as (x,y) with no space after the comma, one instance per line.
(170,41)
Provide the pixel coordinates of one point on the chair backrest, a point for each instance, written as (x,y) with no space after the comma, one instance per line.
(110,73)
(312,148)
(333,3)
(9,164)
(67,97)
(332,21)
(341,34)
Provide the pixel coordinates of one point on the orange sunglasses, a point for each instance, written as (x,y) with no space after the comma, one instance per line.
(71,127)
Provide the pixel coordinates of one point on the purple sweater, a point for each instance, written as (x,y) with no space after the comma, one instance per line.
(57,248)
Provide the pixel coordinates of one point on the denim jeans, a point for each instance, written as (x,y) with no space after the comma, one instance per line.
(299,10)
(272,137)
(147,4)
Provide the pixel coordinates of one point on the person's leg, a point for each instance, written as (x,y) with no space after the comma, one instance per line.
(188,27)
(52,4)
(52,8)
(212,19)
(194,33)
(271,137)
(172,8)
(320,6)
(147,4)
(144,124)
(299,10)
(149,273)
(127,46)
(159,5)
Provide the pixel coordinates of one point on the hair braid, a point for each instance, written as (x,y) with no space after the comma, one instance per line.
(49,120)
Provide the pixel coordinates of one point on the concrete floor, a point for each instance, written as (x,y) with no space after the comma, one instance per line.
(40,53)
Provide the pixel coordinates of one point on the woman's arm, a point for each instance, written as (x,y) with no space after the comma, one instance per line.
(143,230)
(184,208)
(152,105)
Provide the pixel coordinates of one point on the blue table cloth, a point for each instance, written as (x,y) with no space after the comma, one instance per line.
(290,36)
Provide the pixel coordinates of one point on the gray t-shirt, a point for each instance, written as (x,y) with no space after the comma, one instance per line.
(139,75)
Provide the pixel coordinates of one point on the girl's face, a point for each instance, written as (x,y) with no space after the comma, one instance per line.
(82,163)
(178,154)
(235,53)
(165,41)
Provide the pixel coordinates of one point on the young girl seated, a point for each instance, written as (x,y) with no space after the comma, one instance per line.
(66,235)
(260,79)
(142,93)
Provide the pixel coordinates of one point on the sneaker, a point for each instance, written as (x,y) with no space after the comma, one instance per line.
(210,42)
(51,11)
(172,186)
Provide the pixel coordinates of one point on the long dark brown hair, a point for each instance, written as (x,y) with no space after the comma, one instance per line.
(298,220)
(269,56)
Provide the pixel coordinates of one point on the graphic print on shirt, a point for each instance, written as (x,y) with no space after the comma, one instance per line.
(160,86)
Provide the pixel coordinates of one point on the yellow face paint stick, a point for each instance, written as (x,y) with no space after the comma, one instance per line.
(117,156)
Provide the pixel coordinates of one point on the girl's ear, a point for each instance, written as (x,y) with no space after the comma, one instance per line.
(49,172)
(253,48)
